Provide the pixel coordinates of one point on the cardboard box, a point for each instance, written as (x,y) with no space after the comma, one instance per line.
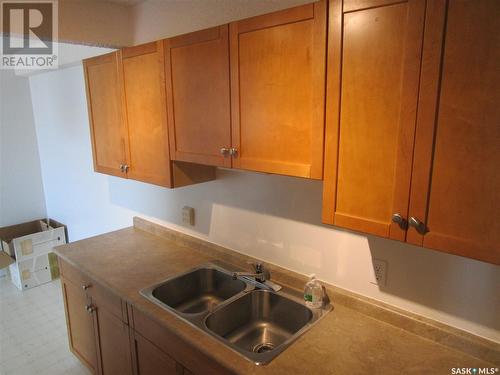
(27,251)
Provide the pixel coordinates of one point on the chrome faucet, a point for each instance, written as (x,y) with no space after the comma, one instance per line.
(260,274)
(260,277)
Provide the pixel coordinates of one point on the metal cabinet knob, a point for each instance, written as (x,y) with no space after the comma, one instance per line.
(90,308)
(224,151)
(400,220)
(418,225)
(86,286)
(125,168)
(233,151)
(121,168)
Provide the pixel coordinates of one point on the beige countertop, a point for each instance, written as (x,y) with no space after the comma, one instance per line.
(346,341)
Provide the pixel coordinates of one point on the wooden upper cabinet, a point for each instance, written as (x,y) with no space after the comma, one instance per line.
(108,133)
(145,113)
(372,92)
(277,91)
(456,184)
(128,118)
(197,78)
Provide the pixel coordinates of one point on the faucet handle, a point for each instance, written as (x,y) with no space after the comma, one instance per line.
(257,266)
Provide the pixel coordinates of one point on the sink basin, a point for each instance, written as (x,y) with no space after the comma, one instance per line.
(260,324)
(254,322)
(196,292)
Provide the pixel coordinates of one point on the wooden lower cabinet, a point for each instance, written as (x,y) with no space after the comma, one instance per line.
(100,335)
(112,340)
(149,360)
(80,324)
(168,347)
(97,331)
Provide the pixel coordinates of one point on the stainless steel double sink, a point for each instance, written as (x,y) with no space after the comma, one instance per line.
(256,323)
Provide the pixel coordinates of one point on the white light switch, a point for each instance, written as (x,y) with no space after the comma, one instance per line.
(188,215)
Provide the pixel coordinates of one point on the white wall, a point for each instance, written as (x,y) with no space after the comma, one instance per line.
(157,19)
(21,190)
(272,217)
(95,22)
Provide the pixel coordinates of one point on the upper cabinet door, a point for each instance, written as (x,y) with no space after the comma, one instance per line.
(199,114)
(457,153)
(277,91)
(109,135)
(145,113)
(372,93)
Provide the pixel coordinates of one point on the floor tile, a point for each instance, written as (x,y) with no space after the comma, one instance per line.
(33,337)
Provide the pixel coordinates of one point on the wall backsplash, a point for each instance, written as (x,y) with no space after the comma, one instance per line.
(271,217)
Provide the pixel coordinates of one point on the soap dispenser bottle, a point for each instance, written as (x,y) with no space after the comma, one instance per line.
(313,293)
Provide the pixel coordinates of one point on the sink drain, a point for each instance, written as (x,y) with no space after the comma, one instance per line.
(263,348)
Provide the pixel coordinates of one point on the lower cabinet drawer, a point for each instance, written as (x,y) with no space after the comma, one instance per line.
(103,298)
(72,274)
(100,296)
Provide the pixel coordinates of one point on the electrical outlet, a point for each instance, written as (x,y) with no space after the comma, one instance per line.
(188,215)
(380,271)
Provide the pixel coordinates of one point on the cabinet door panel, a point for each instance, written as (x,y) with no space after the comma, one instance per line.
(197,72)
(150,360)
(464,199)
(113,343)
(277,79)
(371,141)
(79,322)
(144,106)
(109,135)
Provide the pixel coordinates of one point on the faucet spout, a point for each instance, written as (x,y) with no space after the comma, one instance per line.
(247,274)
(259,274)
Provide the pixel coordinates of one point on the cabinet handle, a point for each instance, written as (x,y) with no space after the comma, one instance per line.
(121,167)
(400,220)
(233,151)
(125,168)
(418,225)
(224,151)
(90,308)
(86,286)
